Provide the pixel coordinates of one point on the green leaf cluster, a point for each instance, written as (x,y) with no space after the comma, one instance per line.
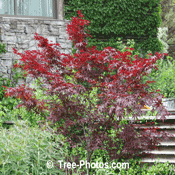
(164,77)
(111,20)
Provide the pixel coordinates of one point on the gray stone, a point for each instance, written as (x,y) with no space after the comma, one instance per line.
(6,56)
(24,46)
(60,40)
(4,75)
(19,33)
(7,26)
(31,43)
(3,70)
(10,38)
(20,27)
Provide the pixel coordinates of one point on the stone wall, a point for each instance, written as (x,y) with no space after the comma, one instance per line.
(19,33)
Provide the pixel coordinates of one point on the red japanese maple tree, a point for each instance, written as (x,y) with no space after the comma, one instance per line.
(117,92)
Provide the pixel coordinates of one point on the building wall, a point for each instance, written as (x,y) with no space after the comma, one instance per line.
(19,33)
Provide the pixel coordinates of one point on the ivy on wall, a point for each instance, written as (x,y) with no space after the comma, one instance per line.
(111,20)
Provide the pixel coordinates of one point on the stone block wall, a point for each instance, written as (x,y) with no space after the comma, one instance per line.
(19,33)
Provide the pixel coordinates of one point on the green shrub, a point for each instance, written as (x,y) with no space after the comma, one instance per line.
(25,150)
(164,77)
(156,169)
(8,104)
(8,110)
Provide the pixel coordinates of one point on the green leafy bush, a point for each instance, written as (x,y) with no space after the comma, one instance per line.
(156,169)
(8,104)
(25,150)
(8,110)
(132,167)
(164,78)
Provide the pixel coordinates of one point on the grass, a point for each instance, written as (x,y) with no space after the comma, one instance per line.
(26,150)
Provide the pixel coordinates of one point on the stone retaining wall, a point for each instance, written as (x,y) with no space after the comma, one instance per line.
(19,33)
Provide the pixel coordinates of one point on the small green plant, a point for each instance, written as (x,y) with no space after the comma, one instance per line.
(2,48)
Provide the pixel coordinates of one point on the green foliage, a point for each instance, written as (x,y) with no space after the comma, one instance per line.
(26,150)
(164,78)
(8,104)
(157,168)
(2,48)
(132,167)
(8,111)
(24,114)
(110,20)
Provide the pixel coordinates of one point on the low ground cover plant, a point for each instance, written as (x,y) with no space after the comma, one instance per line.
(156,169)
(114,74)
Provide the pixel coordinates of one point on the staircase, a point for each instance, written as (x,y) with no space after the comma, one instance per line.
(166,149)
